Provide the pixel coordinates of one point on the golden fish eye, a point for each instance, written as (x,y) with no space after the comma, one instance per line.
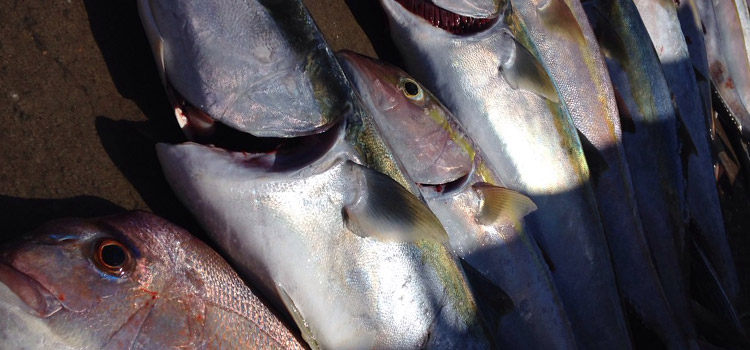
(411,89)
(112,258)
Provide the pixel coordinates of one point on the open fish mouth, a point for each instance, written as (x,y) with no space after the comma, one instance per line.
(445,19)
(36,298)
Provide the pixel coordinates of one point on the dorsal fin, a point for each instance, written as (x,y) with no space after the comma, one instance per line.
(596,162)
(487,291)
(502,205)
(521,69)
(384,210)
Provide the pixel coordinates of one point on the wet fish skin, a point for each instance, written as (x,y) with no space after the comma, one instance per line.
(727,58)
(653,150)
(504,99)
(702,195)
(170,290)
(691,28)
(356,259)
(260,67)
(668,29)
(490,239)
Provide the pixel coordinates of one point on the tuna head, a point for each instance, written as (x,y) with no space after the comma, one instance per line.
(132,280)
(418,127)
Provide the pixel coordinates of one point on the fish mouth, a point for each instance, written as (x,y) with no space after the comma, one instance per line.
(37,300)
(449,21)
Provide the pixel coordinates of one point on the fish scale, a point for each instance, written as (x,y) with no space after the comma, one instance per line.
(178,292)
(532,146)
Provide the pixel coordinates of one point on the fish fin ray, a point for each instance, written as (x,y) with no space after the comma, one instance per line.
(502,204)
(522,70)
(385,210)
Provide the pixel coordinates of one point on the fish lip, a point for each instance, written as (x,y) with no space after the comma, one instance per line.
(37,300)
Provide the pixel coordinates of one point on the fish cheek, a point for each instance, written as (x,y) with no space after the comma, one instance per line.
(62,271)
(174,323)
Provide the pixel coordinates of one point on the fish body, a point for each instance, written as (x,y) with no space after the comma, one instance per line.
(484,221)
(727,58)
(688,90)
(130,281)
(357,260)
(691,28)
(260,67)
(505,101)
(702,195)
(652,147)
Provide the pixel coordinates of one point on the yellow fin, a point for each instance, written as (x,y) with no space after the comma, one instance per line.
(502,205)
(385,210)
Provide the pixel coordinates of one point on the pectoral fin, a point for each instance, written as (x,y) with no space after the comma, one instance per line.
(304,328)
(522,70)
(502,205)
(384,210)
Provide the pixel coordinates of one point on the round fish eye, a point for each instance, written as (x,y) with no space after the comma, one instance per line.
(112,257)
(411,89)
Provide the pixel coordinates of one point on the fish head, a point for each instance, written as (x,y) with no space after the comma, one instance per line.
(421,131)
(98,278)
(259,67)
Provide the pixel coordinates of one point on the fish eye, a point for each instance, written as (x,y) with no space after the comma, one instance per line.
(411,89)
(112,258)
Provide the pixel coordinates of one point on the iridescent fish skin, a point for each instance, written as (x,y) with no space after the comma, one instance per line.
(652,147)
(491,239)
(502,96)
(260,67)
(357,260)
(130,281)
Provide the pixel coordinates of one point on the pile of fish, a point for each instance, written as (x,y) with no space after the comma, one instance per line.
(543,177)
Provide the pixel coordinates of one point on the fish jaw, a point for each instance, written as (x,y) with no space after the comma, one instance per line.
(261,84)
(417,127)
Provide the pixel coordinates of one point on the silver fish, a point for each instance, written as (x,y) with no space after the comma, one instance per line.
(260,67)
(503,97)
(131,281)
(702,195)
(652,146)
(484,221)
(358,261)
(684,67)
